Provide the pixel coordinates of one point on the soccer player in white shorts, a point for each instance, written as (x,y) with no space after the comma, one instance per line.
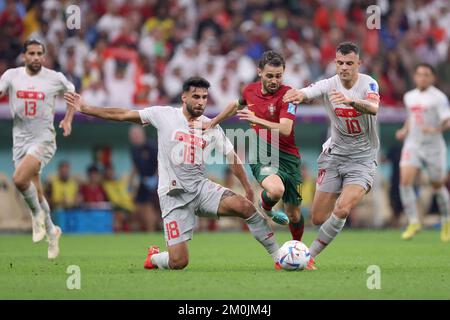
(32,90)
(184,191)
(424,147)
(348,162)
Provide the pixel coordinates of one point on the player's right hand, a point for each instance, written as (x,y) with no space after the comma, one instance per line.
(293,95)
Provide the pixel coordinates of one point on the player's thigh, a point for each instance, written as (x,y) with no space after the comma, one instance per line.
(234,205)
(436,166)
(407,174)
(26,169)
(322,206)
(179,224)
(351,195)
(410,162)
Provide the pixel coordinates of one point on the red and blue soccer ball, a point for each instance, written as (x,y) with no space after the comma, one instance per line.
(293,255)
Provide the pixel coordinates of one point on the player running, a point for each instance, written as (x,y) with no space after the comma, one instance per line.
(428,117)
(347,163)
(261,104)
(32,90)
(184,191)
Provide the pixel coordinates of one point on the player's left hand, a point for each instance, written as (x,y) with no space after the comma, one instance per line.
(248,115)
(66,126)
(337,97)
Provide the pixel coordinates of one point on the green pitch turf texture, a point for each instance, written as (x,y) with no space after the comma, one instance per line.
(226,266)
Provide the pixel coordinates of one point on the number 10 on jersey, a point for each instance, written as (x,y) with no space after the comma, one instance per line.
(353,126)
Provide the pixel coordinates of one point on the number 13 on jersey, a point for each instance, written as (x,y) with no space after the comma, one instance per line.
(30,108)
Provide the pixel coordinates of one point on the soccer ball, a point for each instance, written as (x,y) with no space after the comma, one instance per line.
(293,255)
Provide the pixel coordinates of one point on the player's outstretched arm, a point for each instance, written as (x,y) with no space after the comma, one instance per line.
(238,170)
(369,106)
(294,96)
(75,101)
(229,111)
(284,126)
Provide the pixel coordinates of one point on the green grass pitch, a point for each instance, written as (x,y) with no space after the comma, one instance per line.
(226,266)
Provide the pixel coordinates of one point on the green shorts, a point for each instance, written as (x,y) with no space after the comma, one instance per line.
(289,171)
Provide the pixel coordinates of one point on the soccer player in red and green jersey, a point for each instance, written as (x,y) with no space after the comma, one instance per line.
(261,104)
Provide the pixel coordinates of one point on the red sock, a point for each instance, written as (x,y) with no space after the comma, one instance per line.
(297,229)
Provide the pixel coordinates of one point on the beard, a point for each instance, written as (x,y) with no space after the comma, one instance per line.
(194,113)
(271,89)
(34,67)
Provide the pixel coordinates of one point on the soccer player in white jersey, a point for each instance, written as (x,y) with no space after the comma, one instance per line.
(424,146)
(184,191)
(347,163)
(32,90)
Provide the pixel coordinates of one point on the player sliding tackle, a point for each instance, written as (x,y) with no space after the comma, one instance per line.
(347,163)
(184,191)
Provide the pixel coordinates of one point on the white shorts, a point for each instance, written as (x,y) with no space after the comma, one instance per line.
(337,171)
(179,223)
(43,151)
(433,160)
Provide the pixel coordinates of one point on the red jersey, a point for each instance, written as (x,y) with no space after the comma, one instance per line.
(271,107)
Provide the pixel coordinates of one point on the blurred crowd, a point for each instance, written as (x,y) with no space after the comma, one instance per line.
(138,52)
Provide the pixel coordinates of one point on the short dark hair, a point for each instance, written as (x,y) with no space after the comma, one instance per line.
(271,58)
(30,42)
(196,82)
(425,65)
(347,47)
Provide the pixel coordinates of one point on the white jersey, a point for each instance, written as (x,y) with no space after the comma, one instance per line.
(182,151)
(353,134)
(32,103)
(428,108)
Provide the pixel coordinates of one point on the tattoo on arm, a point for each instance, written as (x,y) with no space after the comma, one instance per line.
(227,193)
(363,106)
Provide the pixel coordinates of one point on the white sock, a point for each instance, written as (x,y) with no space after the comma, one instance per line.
(408,197)
(161,260)
(49,226)
(262,232)
(31,198)
(443,201)
(327,232)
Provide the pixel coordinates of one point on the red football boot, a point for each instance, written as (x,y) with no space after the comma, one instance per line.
(148,262)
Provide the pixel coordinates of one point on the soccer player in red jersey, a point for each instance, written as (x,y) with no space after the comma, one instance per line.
(275,162)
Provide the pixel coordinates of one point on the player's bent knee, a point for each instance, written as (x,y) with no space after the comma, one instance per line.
(245,208)
(20,182)
(276,192)
(178,263)
(342,210)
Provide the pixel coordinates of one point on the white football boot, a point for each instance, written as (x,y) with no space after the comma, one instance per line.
(53,242)
(38,224)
